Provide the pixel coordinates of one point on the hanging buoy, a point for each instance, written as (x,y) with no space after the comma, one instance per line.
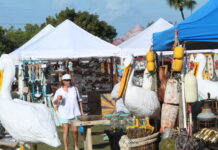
(151,66)
(150,56)
(178,52)
(172,92)
(177,65)
(191,90)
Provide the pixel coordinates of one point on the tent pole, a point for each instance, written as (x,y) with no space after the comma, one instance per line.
(183,103)
(112,69)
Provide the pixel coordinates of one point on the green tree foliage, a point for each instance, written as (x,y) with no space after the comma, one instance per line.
(11,38)
(5,43)
(181,4)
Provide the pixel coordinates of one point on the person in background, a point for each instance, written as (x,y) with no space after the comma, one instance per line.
(69,104)
(120,107)
(14,91)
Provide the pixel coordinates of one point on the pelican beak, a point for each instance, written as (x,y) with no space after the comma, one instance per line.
(124,80)
(1,79)
(196,67)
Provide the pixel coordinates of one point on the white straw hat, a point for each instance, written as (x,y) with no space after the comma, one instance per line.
(66,77)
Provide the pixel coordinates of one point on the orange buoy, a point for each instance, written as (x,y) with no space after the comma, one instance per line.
(150,56)
(151,66)
(177,65)
(178,52)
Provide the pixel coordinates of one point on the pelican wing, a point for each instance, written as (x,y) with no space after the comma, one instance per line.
(30,122)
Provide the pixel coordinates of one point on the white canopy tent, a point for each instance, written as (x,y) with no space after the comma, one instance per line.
(141,43)
(68,40)
(39,35)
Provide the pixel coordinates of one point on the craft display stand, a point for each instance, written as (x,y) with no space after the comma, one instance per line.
(94,74)
(88,131)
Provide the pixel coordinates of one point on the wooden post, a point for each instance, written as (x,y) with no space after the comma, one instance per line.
(84,138)
(35,147)
(180,116)
(112,72)
(88,138)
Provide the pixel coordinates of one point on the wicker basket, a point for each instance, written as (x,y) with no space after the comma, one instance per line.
(144,143)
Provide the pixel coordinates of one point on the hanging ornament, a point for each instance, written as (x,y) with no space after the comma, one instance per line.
(210,66)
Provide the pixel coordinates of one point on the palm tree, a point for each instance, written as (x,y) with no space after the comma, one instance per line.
(181,4)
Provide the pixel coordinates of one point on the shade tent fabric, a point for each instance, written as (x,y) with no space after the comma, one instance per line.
(201,26)
(69,41)
(39,35)
(141,43)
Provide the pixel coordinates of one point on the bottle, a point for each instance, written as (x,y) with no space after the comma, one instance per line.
(82,130)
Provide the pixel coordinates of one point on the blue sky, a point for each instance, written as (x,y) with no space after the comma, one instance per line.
(122,14)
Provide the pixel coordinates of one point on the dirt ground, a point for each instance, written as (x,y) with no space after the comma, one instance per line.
(97,139)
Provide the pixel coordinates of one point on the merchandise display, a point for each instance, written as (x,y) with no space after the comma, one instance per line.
(216,64)
(205,86)
(207,135)
(156,90)
(88,74)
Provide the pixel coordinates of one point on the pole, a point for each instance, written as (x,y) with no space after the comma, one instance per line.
(183,103)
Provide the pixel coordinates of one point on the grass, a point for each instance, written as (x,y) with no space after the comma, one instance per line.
(97,140)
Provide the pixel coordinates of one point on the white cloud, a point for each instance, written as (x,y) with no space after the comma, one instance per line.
(60,4)
(111,9)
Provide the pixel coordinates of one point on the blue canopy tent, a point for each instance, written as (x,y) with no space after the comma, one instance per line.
(199,31)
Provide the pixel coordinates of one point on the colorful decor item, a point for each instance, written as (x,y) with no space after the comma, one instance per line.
(107,104)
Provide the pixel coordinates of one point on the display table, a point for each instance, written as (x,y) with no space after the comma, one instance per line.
(8,141)
(88,131)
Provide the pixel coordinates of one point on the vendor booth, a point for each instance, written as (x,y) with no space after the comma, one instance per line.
(171,104)
(67,48)
(194,76)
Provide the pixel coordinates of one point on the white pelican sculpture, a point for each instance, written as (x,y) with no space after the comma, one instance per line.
(26,122)
(139,101)
(205,86)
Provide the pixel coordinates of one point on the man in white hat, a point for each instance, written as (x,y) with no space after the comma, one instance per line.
(69,107)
